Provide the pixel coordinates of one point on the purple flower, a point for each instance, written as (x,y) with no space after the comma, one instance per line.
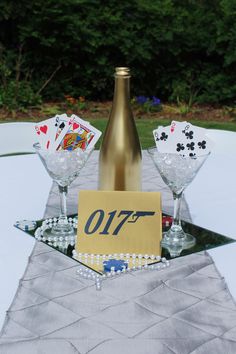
(155,101)
(141,99)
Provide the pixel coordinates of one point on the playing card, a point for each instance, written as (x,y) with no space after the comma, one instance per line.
(163,140)
(196,140)
(203,144)
(45,132)
(160,134)
(177,136)
(80,134)
(62,123)
(68,133)
(183,138)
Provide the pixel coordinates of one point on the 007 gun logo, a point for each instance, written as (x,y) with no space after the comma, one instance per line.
(95,220)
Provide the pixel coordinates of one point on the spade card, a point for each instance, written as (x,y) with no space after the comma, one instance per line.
(62,123)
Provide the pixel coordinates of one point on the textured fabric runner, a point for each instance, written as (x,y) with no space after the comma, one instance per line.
(183,309)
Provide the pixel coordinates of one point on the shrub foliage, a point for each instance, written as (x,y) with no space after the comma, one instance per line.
(178,50)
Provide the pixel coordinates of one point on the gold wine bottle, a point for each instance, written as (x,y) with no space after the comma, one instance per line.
(120,154)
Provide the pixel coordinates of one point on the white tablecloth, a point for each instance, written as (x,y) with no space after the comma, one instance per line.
(24,191)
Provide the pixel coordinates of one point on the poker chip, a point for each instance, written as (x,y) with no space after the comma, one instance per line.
(167,220)
(115,265)
(26,225)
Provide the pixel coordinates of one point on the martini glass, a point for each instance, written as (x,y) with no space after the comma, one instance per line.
(63,167)
(177,172)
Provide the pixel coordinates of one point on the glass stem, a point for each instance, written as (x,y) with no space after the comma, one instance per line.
(176,224)
(63,206)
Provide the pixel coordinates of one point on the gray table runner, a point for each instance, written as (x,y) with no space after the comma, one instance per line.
(184,309)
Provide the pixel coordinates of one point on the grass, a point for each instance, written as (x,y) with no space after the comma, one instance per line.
(146,126)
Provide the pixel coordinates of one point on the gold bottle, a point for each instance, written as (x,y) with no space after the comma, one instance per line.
(120,155)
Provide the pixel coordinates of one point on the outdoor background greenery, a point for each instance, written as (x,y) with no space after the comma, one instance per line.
(178,50)
(145,128)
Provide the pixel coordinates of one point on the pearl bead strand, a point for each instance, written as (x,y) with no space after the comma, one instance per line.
(85,272)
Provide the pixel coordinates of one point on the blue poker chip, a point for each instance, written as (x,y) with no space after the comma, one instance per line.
(115,264)
(26,225)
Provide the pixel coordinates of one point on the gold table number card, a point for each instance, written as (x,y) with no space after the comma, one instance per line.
(119,222)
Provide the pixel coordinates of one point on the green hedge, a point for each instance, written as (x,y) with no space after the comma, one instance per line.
(177,49)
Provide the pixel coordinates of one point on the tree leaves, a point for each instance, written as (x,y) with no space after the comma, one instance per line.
(165,42)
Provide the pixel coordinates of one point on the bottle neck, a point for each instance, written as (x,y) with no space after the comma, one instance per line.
(121,91)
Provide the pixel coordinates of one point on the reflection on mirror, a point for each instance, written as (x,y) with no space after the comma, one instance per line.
(205,240)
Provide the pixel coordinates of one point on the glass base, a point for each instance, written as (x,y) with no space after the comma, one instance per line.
(51,236)
(176,242)
(62,229)
(59,231)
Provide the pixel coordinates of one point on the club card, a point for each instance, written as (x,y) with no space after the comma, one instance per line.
(196,140)
(178,136)
(164,140)
(183,138)
(161,135)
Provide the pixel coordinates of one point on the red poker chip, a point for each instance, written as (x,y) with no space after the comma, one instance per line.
(167,220)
